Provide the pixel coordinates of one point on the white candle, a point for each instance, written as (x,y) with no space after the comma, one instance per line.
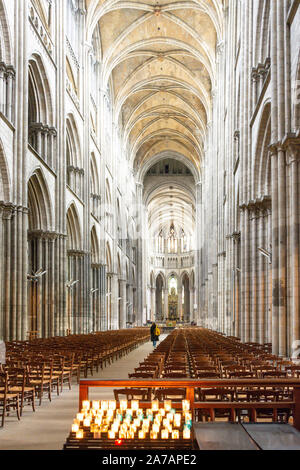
(104,405)
(155,405)
(112,404)
(167,405)
(123,405)
(75,427)
(185,405)
(134,405)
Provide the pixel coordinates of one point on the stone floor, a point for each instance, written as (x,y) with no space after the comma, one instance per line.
(49,426)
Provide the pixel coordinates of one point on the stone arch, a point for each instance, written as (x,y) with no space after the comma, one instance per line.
(40,106)
(41,130)
(159,287)
(95,180)
(186,296)
(95,253)
(5,40)
(152,280)
(4,176)
(40,254)
(163,278)
(73,144)
(108,258)
(73,228)
(39,203)
(261,162)
(262,31)
(296,99)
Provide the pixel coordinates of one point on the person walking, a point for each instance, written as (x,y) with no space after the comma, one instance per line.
(154,332)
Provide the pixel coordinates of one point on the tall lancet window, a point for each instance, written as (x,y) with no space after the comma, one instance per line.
(160,243)
(184,245)
(172,241)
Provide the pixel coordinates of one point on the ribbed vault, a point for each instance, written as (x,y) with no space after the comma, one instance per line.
(159,59)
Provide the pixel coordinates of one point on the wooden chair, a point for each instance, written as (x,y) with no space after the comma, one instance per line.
(17,384)
(174,394)
(7,400)
(133,394)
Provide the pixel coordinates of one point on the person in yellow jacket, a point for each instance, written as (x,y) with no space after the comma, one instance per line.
(155,332)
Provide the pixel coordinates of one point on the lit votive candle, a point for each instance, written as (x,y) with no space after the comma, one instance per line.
(98,420)
(85,405)
(175,434)
(142,434)
(79,434)
(112,404)
(86,422)
(104,405)
(169,428)
(130,434)
(165,422)
(167,405)
(153,435)
(155,427)
(110,413)
(162,412)
(170,417)
(134,405)
(80,416)
(115,427)
(137,422)
(185,405)
(140,413)
(122,434)
(164,434)
(155,405)
(111,434)
(96,405)
(75,428)
(186,433)
(123,405)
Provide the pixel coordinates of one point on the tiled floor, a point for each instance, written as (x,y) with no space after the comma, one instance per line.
(49,426)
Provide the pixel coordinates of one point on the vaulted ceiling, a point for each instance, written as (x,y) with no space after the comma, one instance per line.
(159,58)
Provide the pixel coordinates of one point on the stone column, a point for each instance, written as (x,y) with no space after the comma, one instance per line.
(123,304)
(275,260)
(166,303)
(153,309)
(115,302)
(253,282)
(180,303)
(2,87)
(293,158)
(261,281)
(10,93)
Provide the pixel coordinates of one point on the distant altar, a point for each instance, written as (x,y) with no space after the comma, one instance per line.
(173,305)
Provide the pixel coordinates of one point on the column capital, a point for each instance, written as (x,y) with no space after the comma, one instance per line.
(291,143)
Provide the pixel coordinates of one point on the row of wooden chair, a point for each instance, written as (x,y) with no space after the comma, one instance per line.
(39,367)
